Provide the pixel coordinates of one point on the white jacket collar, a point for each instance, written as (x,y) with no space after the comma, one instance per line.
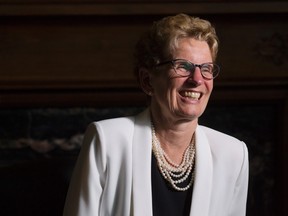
(141,157)
(203,177)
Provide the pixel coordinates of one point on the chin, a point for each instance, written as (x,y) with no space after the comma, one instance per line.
(190,115)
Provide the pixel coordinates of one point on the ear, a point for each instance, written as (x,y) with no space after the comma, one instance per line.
(145,81)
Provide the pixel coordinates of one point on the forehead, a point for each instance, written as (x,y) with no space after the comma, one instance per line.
(192,50)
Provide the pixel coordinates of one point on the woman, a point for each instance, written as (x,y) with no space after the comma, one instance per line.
(161,162)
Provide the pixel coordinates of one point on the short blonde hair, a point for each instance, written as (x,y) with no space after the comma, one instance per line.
(158,43)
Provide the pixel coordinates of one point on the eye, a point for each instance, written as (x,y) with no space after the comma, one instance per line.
(184,66)
(207,68)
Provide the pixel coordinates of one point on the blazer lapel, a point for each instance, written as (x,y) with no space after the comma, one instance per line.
(141,167)
(141,170)
(203,176)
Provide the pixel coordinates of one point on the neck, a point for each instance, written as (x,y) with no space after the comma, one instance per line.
(174,136)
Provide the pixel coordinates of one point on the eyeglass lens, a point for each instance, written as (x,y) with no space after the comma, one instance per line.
(185,68)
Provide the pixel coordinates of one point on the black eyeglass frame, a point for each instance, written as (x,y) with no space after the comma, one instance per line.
(214,74)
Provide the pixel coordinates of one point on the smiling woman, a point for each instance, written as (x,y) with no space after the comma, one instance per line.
(161,161)
(170,90)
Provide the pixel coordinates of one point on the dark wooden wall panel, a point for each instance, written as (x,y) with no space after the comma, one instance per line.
(253,46)
(96,51)
(62,51)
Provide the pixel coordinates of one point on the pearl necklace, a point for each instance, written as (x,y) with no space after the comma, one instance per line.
(173,173)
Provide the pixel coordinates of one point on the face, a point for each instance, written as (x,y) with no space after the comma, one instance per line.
(182,98)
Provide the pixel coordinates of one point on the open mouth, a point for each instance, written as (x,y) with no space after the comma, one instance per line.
(192,95)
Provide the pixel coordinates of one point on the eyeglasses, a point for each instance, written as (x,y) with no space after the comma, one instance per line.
(185,68)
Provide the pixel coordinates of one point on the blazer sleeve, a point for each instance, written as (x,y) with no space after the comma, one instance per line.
(87,182)
(238,202)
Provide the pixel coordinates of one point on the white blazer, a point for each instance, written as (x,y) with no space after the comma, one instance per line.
(112,176)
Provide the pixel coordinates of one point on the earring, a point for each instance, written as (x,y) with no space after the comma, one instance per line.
(149,93)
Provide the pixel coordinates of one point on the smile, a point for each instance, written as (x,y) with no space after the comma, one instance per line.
(193,95)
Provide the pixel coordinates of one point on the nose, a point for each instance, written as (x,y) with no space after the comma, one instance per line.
(196,76)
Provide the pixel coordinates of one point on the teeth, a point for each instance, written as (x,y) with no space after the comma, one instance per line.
(194,95)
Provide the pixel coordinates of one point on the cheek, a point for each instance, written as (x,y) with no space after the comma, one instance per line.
(169,92)
(173,87)
(209,86)
(161,88)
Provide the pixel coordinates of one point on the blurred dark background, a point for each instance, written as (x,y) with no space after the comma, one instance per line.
(65,63)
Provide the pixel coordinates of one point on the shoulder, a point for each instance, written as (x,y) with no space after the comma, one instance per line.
(217,135)
(112,128)
(224,145)
(115,123)
(115,128)
(110,138)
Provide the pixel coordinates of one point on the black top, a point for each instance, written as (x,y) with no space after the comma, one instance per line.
(167,201)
